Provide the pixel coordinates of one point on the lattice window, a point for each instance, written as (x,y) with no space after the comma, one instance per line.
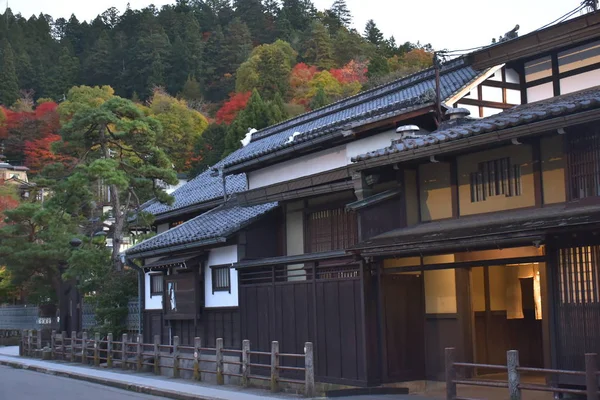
(578,275)
(583,159)
(329,230)
(495,178)
(221,278)
(156,284)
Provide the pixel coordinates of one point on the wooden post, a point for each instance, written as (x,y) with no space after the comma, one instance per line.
(29,342)
(514,378)
(591,379)
(109,348)
(124,351)
(156,355)
(274,366)
(73,344)
(84,347)
(39,342)
(52,344)
(450,374)
(219,362)
(246,363)
(22,342)
(197,352)
(309,373)
(63,345)
(175,356)
(97,349)
(140,356)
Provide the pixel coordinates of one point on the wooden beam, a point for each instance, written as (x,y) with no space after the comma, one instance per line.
(485,103)
(393,120)
(465,264)
(454,188)
(536,157)
(502,85)
(555,74)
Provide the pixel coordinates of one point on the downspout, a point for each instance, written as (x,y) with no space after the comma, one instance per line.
(141,290)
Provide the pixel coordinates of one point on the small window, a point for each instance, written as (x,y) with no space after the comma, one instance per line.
(220,278)
(495,178)
(156,285)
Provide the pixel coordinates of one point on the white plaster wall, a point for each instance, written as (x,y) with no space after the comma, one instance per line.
(294,236)
(540,92)
(513,96)
(321,161)
(487,111)
(151,302)
(221,256)
(489,93)
(512,76)
(162,228)
(580,81)
(474,110)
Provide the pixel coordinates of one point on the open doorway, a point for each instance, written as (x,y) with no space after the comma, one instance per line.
(507,314)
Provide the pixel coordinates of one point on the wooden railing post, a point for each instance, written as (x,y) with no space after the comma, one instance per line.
(514,377)
(591,378)
(175,356)
(84,339)
(156,355)
(29,342)
(22,342)
(63,345)
(219,362)
(124,351)
(309,373)
(197,352)
(109,349)
(73,344)
(450,374)
(246,363)
(39,342)
(97,349)
(140,357)
(275,366)
(52,344)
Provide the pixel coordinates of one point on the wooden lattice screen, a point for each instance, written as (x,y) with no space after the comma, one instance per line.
(329,230)
(583,160)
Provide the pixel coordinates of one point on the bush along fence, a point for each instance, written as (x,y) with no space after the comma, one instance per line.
(514,384)
(191,362)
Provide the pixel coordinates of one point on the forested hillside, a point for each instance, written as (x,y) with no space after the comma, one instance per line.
(241,64)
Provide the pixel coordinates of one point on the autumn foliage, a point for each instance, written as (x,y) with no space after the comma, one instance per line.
(230,109)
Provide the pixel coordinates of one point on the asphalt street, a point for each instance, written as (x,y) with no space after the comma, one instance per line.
(18,384)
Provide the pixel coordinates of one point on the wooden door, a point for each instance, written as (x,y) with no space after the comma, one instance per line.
(404,327)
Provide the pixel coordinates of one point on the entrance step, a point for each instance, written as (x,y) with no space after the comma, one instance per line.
(370,391)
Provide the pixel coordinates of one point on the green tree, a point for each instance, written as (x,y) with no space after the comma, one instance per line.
(319,100)
(340,10)
(252,13)
(192,92)
(9,84)
(378,66)
(208,149)
(117,145)
(318,49)
(373,34)
(66,75)
(237,44)
(98,66)
(348,46)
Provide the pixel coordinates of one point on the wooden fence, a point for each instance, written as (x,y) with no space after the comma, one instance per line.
(134,354)
(514,370)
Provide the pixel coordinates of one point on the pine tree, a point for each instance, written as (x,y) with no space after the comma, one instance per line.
(9,84)
(320,99)
(252,13)
(237,44)
(318,47)
(373,34)
(341,11)
(277,111)
(98,66)
(208,149)
(349,45)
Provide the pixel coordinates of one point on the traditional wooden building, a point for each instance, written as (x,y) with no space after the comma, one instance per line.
(384,230)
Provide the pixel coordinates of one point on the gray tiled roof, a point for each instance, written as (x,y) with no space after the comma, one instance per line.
(401,94)
(516,116)
(201,189)
(217,223)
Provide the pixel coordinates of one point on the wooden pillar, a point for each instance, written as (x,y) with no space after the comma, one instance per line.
(246,363)
(139,352)
(591,378)
(97,349)
(124,351)
(109,349)
(219,362)
(63,346)
(275,367)
(176,357)
(309,373)
(197,353)
(29,343)
(39,342)
(156,354)
(53,344)
(73,345)
(514,377)
(84,339)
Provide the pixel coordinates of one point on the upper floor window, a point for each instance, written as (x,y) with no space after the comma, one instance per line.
(495,178)
(328,230)
(221,281)
(583,161)
(156,284)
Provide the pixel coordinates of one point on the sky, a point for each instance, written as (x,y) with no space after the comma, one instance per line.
(453,25)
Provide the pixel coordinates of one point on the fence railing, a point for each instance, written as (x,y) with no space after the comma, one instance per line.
(514,370)
(134,354)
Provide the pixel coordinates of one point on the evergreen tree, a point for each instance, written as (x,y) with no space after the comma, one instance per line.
(65,75)
(277,110)
(349,45)
(9,84)
(373,34)
(237,44)
(318,47)
(191,90)
(256,115)
(320,99)
(378,66)
(208,149)
(340,10)
(252,13)
(98,66)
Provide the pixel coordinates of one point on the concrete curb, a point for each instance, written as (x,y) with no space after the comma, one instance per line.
(108,382)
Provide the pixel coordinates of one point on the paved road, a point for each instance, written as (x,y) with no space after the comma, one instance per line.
(17,384)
